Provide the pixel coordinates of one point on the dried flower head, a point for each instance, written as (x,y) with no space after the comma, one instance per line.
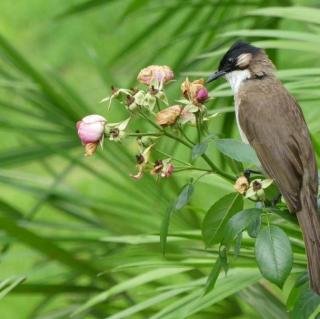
(169,115)
(163,168)
(142,160)
(194,91)
(241,185)
(155,75)
(117,131)
(256,189)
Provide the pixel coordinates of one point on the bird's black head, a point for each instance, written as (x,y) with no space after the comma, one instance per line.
(237,58)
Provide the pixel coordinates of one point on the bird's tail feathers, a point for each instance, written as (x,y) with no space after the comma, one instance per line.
(309,220)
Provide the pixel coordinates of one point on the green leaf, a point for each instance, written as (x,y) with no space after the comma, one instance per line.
(236,280)
(237,150)
(164,229)
(184,196)
(43,245)
(306,304)
(297,13)
(215,220)
(182,200)
(134,282)
(9,284)
(198,150)
(147,303)
(213,276)
(254,227)
(84,7)
(239,222)
(274,254)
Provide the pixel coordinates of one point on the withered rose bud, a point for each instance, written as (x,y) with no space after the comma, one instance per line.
(167,170)
(241,185)
(163,168)
(155,75)
(194,91)
(168,116)
(91,131)
(158,166)
(142,160)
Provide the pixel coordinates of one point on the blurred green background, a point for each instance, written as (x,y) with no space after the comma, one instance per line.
(65,218)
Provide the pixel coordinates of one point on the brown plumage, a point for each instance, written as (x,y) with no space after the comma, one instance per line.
(274,125)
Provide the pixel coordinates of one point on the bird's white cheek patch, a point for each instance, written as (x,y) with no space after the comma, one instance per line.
(235,79)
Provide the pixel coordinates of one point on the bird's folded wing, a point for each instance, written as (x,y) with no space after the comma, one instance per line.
(274,126)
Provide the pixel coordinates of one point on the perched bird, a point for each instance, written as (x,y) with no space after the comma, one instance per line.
(271,121)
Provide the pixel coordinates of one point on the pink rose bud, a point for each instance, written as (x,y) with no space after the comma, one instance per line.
(155,75)
(91,128)
(202,95)
(194,91)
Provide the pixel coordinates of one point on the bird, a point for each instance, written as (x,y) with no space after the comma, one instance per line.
(271,121)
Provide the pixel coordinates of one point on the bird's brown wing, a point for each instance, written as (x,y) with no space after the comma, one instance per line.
(274,126)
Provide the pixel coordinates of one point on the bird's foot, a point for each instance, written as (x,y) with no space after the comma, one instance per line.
(276,200)
(247,173)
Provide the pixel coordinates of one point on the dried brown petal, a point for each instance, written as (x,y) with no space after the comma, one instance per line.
(241,185)
(168,116)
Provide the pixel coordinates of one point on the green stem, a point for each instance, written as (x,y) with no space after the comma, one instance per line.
(185,135)
(173,158)
(214,168)
(158,105)
(192,169)
(198,126)
(145,134)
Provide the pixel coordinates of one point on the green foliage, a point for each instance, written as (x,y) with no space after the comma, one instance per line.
(78,235)
(215,220)
(274,254)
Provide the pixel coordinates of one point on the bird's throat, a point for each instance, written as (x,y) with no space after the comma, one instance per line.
(235,78)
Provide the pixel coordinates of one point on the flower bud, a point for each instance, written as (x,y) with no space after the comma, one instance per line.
(155,75)
(168,116)
(202,95)
(91,128)
(194,91)
(241,185)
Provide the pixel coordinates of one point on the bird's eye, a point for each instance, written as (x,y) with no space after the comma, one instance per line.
(231,60)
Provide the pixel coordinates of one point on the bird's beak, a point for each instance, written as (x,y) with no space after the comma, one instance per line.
(216,75)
